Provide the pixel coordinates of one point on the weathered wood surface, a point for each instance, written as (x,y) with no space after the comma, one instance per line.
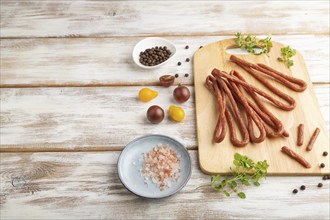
(94,49)
(96,118)
(144,18)
(108,61)
(86,186)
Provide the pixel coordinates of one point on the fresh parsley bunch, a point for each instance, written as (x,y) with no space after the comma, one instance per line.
(244,173)
(250,44)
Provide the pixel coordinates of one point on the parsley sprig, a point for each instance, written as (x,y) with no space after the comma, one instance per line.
(286,54)
(251,45)
(245,172)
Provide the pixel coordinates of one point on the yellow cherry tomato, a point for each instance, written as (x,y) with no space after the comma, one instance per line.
(146,94)
(176,113)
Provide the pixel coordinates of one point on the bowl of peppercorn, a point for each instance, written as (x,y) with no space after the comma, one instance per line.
(153,52)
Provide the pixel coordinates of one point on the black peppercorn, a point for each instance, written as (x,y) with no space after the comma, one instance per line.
(319,185)
(295,191)
(154,56)
(325,177)
(302,187)
(187,59)
(200,47)
(322,165)
(186,75)
(176,75)
(179,63)
(187,47)
(325,153)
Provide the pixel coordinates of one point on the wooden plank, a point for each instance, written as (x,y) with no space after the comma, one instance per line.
(103,118)
(85,185)
(80,118)
(107,61)
(121,18)
(215,56)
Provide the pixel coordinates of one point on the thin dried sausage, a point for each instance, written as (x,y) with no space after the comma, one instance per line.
(267,117)
(220,130)
(292,104)
(293,83)
(296,157)
(227,89)
(240,123)
(313,139)
(251,115)
(300,136)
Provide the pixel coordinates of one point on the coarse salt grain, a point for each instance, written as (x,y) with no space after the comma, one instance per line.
(161,165)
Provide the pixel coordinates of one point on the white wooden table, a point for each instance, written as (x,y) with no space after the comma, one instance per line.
(69,106)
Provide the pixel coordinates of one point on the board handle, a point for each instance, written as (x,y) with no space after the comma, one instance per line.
(224,45)
(228,44)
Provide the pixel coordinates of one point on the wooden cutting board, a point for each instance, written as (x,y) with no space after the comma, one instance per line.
(218,157)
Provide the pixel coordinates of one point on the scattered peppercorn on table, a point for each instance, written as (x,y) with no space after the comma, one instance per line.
(69,105)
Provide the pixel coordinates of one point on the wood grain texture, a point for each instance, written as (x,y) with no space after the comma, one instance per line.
(108,61)
(101,118)
(140,18)
(85,185)
(215,56)
(88,43)
(97,118)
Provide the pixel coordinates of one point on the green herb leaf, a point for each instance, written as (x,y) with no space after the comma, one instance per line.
(244,173)
(226,193)
(223,183)
(250,44)
(236,163)
(237,156)
(215,178)
(286,54)
(233,184)
(245,182)
(241,195)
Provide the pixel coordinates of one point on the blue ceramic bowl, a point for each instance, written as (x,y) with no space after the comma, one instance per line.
(131,160)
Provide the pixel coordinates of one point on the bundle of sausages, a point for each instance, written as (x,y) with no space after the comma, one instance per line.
(229,91)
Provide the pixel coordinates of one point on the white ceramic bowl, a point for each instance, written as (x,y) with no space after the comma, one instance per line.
(149,43)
